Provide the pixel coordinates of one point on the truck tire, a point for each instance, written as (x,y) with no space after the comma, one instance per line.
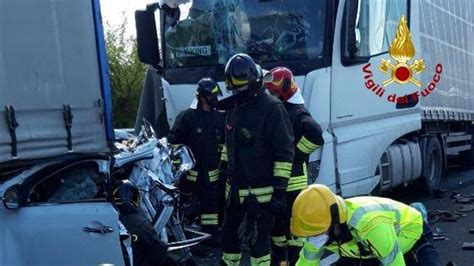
(432,164)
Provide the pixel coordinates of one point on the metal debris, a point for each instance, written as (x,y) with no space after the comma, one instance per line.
(442,216)
(467,208)
(439,235)
(468,246)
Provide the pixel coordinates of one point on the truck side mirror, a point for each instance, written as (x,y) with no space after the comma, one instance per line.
(147,39)
(12,198)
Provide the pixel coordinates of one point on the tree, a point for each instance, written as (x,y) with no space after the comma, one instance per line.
(126,74)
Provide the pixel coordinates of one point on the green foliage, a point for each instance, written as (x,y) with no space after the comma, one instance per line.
(126,75)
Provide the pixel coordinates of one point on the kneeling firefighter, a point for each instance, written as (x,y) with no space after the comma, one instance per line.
(201,128)
(360,230)
(259,142)
(308,138)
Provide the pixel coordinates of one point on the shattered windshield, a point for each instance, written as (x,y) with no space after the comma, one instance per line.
(210,31)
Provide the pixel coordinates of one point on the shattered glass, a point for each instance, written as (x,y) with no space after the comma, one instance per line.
(268,30)
(78,184)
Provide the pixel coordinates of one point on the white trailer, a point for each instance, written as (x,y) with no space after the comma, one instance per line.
(377,136)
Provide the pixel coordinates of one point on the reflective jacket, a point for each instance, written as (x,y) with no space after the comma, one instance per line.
(259,142)
(381,228)
(308,138)
(203,133)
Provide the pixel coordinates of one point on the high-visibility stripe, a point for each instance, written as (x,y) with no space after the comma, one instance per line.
(209,216)
(261,261)
(214,172)
(298,179)
(298,242)
(392,256)
(298,182)
(209,222)
(306,146)
(281,173)
(279,241)
(361,211)
(283,165)
(224,154)
(209,219)
(255,191)
(191,178)
(282,169)
(238,82)
(231,259)
(213,175)
(297,186)
(192,175)
(215,90)
(263,194)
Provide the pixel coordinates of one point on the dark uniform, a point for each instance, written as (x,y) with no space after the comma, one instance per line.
(259,142)
(308,138)
(203,132)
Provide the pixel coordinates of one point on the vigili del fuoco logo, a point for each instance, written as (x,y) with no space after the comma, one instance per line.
(403,71)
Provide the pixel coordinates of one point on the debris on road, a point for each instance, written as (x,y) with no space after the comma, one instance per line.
(468,246)
(467,208)
(439,193)
(455,195)
(450,263)
(463,200)
(443,216)
(439,235)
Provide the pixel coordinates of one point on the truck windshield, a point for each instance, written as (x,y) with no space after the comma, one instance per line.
(210,31)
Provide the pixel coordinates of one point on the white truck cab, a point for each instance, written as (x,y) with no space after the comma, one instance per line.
(388,119)
(55,130)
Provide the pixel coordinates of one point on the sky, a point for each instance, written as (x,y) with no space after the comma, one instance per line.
(113,11)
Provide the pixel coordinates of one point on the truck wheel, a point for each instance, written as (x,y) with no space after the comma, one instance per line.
(432,164)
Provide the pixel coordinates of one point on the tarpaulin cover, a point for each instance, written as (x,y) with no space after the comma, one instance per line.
(48,59)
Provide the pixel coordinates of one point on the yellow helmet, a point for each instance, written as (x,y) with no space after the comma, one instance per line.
(315,209)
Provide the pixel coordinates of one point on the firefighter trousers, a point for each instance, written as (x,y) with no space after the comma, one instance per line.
(205,187)
(284,246)
(260,250)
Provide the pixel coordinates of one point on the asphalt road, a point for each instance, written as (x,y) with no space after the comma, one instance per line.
(460,180)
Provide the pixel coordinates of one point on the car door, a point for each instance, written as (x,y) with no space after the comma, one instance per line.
(62,225)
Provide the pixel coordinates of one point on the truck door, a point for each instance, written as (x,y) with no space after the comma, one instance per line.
(66,221)
(365,116)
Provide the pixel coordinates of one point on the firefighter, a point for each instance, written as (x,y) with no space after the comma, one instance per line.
(259,149)
(360,230)
(201,128)
(308,138)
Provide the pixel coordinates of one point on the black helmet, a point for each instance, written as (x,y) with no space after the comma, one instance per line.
(241,73)
(208,87)
(127,195)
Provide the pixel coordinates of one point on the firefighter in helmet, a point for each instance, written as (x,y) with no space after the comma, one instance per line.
(308,138)
(259,151)
(201,129)
(368,230)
